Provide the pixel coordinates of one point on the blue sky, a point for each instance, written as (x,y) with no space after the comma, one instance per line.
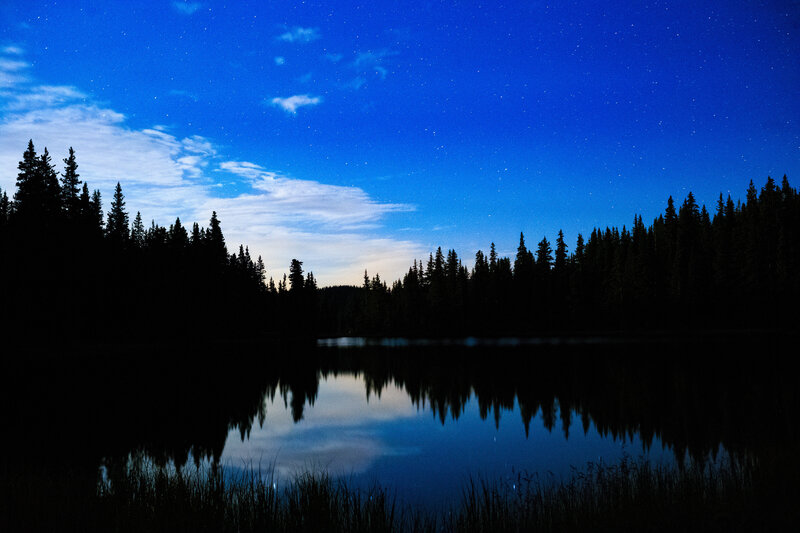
(353,136)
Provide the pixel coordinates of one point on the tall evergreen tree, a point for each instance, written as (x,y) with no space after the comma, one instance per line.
(95,215)
(70,187)
(29,185)
(216,241)
(544,254)
(296,279)
(561,252)
(51,192)
(117,224)
(137,231)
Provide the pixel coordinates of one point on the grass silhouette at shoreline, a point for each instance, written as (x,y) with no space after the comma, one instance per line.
(630,495)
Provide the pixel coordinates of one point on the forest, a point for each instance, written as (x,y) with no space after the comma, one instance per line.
(76,275)
(688,269)
(72,274)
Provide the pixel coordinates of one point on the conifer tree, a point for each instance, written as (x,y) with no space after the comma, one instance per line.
(544,255)
(137,231)
(70,186)
(177,237)
(492,258)
(29,186)
(117,224)
(561,252)
(95,215)
(216,241)
(51,192)
(296,276)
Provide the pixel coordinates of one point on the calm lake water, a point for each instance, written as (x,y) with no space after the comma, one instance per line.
(389,439)
(421,418)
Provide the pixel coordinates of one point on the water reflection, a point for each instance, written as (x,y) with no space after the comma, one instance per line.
(339,433)
(401,413)
(387,437)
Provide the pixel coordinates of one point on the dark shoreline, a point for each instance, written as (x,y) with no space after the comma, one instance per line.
(631,495)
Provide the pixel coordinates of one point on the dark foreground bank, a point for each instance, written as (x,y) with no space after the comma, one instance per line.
(632,495)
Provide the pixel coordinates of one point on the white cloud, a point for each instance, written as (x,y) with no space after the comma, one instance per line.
(13,50)
(334,229)
(44,96)
(300,35)
(281,200)
(8,79)
(343,425)
(10,74)
(184,94)
(370,62)
(12,65)
(187,8)
(291,103)
(280,60)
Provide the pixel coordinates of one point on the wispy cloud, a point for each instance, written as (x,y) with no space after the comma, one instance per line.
(184,94)
(280,60)
(334,58)
(187,8)
(13,50)
(44,96)
(371,62)
(291,103)
(298,34)
(335,230)
(12,65)
(311,202)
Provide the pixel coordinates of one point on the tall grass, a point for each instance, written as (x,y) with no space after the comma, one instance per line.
(632,495)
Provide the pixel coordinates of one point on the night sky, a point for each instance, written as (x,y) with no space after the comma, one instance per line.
(357,136)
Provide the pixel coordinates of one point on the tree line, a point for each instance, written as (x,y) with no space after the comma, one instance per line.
(689,269)
(72,273)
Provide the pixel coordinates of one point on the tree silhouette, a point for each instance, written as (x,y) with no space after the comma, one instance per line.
(296,279)
(117,223)
(70,187)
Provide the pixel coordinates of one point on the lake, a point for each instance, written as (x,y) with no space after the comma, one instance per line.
(421,418)
(390,439)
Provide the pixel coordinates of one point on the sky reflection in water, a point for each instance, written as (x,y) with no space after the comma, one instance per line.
(391,441)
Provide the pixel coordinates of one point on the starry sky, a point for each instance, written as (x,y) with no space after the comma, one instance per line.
(357,136)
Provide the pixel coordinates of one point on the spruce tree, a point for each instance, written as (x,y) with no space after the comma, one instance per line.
(117,224)
(216,241)
(70,187)
(95,215)
(29,186)
(561,252)
(137,231)
(544,255)
(51,192)
(296,279)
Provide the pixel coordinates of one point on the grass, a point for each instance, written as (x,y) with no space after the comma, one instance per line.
(629,496)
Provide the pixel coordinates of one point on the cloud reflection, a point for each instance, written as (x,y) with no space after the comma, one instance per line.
(340,434)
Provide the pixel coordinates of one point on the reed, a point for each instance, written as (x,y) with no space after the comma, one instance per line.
(632,495)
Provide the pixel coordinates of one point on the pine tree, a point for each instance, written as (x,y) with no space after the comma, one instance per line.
(29,186)
(544,255)
(117,223)
(580,248)
(137,231)
(561,252)
(216,241)
(5,208)
(51,192)
(70,187)
(95,215)
(296,276)
(177,236)
(492,258)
